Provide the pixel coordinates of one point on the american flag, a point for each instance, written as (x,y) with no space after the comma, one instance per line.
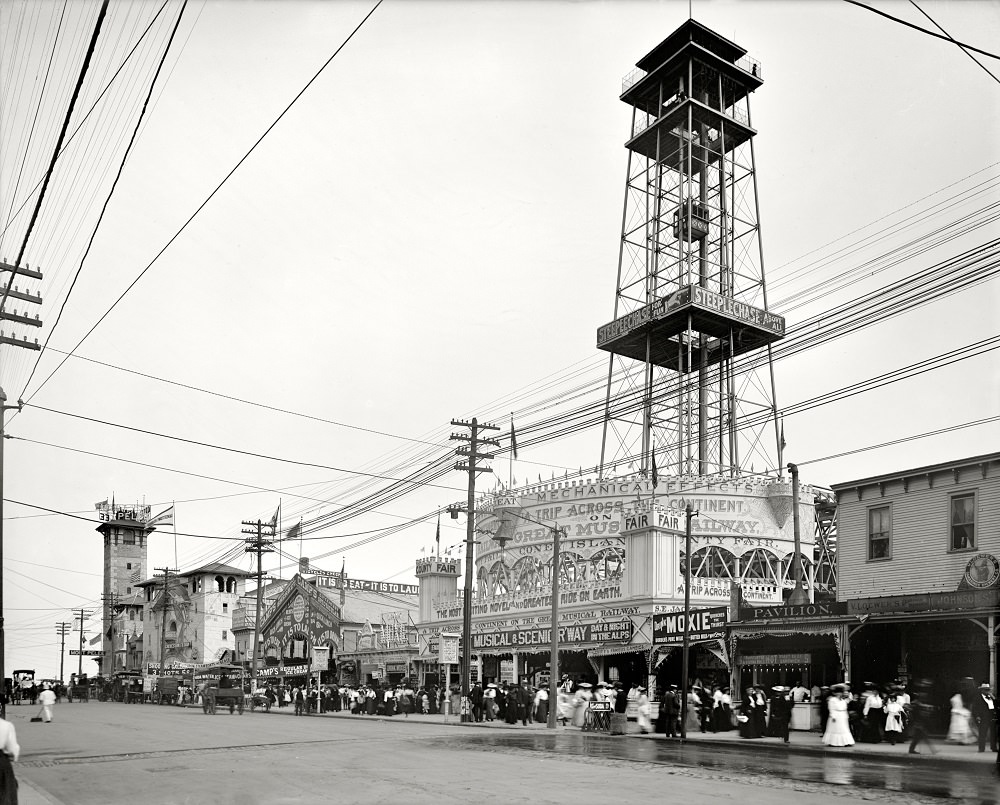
(136,576)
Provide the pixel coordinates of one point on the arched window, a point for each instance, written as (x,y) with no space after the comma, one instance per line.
(220,584)
(711,562)
(172,627)
(607,565)
(788,573)
(231,584)
(499,579)
(526,575)
(482,583)
(761,567)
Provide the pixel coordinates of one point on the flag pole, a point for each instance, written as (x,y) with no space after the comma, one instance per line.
(173,505)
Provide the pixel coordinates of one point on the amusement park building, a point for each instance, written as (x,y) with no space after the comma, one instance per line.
(622,578)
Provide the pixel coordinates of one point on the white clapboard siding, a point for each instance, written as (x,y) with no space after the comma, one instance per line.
(921,560)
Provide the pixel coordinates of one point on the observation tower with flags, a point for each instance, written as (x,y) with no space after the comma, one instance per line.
(690,368)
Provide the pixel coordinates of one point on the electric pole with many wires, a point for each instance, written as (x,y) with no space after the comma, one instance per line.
(471,455)
(62,629)
(259,543)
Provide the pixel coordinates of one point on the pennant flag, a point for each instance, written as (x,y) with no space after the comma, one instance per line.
(437,537)
(782,434)
(656,478)
(165,517)
(513,437)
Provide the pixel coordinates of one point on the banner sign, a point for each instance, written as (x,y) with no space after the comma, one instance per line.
(86,652)
(106,512)
(703,624)
(331,578)
(613,632)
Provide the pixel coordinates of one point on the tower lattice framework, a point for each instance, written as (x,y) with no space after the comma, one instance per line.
(690,372)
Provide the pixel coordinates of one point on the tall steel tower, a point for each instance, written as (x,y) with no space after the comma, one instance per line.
(690,371)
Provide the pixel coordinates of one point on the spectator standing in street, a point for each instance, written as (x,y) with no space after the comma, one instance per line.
(984,713)
(919,714)
(645,725)
(476,699)
(838,732)
(781,712)
(9,752)
(893,717)
(47,698)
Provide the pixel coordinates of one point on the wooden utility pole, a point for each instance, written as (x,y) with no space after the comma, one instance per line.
(164,606)
(62,629)
(258,543)
(471,455)
(109,601)
(81,615)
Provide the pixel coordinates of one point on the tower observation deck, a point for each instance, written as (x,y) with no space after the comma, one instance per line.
(690,370)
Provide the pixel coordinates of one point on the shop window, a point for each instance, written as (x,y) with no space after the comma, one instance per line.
(963,521)
(879,533)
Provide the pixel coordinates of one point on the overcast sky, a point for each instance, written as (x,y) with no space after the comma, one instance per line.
(431,232)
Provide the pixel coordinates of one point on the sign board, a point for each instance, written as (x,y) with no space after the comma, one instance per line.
(602,632)
(85,652)
(703,624)
(802,611)
(601,706)
(448,647)
(395,667)
(332,578)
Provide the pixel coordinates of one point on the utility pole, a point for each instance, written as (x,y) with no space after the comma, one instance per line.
(62,629)
(10,339)
(81,615)
(799,595)
(471,455)
(258,544)
(554,680)
(110,600)
(689,514)
(164,606)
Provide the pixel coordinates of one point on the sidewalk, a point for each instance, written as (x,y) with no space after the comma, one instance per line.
(800,741)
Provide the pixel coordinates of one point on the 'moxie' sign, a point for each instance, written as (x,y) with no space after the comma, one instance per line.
(703,624)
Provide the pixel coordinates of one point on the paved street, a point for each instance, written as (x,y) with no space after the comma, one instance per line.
(110,753)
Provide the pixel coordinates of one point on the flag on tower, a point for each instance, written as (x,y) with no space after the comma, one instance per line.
(782,434)
(656,478)
(513,437)
(136,576)
(437,537)
(165,517)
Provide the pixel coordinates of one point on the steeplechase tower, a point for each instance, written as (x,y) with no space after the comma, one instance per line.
(690,372)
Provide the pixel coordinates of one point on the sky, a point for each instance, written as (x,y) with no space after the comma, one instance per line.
(430,232)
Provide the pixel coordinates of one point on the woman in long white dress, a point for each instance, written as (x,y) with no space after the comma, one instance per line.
(643,717)
(838,731)
(960,728)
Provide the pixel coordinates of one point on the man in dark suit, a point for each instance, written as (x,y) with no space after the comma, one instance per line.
(984,712)
(476,700)
(670,710)
(781,712)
